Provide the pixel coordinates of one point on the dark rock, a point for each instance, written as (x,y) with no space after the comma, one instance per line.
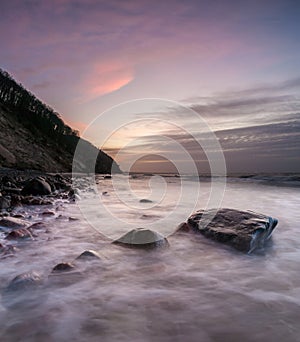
(145,200)
(142,238)
(183,228)
(37,225)
(73,218)
(7,179)
(63,267)
(36,186)
(5,202)
(88,255)
(17,234)
(32,200)
(48,213)
(243,230)
(107,177)
(16,200)
(18,216)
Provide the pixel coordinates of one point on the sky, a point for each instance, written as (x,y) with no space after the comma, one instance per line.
(225,71)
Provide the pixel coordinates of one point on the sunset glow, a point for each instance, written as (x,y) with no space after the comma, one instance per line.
(235,63)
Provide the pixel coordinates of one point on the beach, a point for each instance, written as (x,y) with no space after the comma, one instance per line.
(195,289)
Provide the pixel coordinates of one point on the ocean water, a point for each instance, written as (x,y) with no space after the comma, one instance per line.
(195,290)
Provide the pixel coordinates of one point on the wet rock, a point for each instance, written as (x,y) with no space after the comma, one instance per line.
(88,254)
(24,281)
(183,228)
(7,180)
(9,223)
(63,267)
(36,186)
(17,234)
(73,218)
(37,225)
(18,216)
(4,202)
(142,238)
(7,251)
(16,200)
(48,213)
(31,200)
(145,200)
(21,289)
(243,230)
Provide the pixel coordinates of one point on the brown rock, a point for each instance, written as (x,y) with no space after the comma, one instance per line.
(63,267)
(21,233)
(243,230)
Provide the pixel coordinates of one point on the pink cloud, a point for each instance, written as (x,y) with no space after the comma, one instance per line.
(105,78)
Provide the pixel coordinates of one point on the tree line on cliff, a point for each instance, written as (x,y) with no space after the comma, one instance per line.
(41,119)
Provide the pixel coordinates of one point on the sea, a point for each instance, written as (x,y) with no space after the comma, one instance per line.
(194,290)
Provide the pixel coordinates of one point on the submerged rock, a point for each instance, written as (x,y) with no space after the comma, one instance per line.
(24,281)
(243,230)
(142,238)
(63,266)
(36,186)
(21,289)
(88,254)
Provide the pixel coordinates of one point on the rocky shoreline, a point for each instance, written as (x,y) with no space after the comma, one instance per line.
(243,230)
(22,189)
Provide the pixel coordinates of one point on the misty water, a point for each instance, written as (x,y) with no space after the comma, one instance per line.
(195,290)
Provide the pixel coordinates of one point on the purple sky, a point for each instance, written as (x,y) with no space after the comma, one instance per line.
(236,63)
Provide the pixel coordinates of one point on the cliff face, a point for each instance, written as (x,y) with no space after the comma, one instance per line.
(33,136)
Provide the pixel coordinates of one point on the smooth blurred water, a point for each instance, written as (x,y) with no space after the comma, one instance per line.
(196,290)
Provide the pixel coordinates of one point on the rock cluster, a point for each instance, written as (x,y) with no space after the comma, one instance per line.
(23,188)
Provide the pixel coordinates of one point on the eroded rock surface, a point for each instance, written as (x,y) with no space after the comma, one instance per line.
(243,230)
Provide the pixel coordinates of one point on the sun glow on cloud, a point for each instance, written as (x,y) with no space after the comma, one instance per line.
(110,86)
(106,78)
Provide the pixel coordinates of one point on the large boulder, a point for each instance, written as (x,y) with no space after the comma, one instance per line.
(142,238)
(36,186)
(243,230)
